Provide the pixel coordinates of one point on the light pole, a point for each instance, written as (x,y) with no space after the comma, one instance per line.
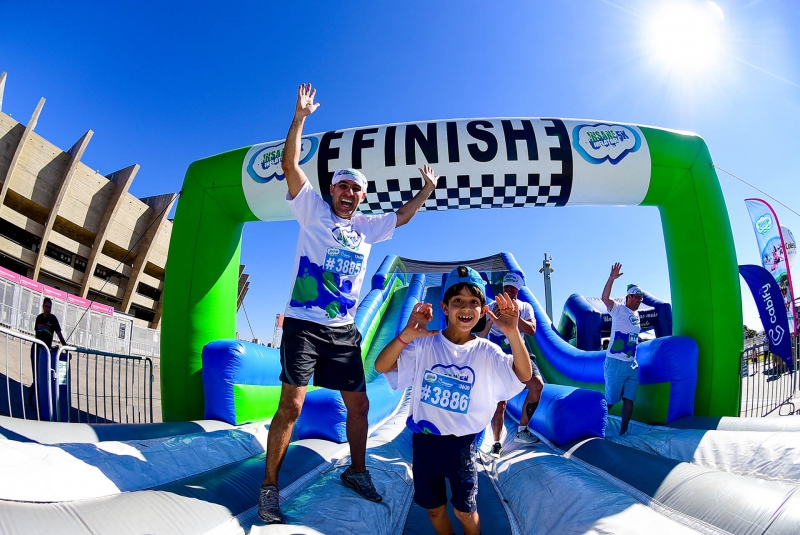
(548,295)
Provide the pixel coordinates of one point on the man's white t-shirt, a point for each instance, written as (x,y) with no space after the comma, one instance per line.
(454,388)
(331,258)
(525,313)
(625,331)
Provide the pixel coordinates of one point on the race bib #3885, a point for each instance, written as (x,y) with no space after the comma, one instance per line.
(343,262)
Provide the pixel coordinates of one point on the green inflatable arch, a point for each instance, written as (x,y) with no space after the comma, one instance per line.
(484,163)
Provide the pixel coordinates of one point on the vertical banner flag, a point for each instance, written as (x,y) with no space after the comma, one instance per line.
(790,244)
(769,301)
(774,257)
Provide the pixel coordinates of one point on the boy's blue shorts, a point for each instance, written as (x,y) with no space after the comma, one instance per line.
(436,457)
(622,380)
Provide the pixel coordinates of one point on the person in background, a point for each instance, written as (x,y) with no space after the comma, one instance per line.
(620,369)
(512,283)
(46,326)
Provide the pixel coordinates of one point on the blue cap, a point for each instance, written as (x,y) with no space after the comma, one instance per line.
(473,277)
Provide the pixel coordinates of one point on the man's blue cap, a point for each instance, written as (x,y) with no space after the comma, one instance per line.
(472,277)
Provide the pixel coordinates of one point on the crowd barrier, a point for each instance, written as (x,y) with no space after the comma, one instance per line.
(72,384)
(767,382)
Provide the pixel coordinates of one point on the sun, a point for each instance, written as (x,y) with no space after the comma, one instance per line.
(686,36)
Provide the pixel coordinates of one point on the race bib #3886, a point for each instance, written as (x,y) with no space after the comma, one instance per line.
(445,392)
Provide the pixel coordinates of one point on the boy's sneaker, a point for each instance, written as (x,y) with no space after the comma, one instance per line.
(526,437)
(496,450)
(269,507)
(361,482)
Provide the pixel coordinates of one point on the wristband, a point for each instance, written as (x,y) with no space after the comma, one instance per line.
(401,341)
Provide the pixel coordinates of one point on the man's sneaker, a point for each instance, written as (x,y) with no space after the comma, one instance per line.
(495,452)
(526,437)
(269,507)
(361,482)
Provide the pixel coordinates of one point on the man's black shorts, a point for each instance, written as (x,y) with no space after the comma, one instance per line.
(436,457)
(331,354)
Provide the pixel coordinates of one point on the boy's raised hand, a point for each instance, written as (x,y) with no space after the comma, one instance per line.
(505,314)
(417,323)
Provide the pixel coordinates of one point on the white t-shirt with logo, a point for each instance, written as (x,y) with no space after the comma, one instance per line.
(331,258)
(454,388)
(525,313)
(625,331)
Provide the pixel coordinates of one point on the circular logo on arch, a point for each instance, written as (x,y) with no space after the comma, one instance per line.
(601,142)
(265,164)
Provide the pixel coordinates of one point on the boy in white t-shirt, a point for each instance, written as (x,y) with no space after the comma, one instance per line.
(456,380)
(620,369)
(512,283)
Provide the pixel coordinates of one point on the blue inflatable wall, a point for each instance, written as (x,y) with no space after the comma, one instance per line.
(240,381)
(565,413)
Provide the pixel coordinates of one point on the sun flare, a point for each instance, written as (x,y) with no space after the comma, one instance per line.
(686,36)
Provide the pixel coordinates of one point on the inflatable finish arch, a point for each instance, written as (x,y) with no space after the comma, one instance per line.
(484,163)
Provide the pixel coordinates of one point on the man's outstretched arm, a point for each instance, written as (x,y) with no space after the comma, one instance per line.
(295,177)
(616,272)
(409,209)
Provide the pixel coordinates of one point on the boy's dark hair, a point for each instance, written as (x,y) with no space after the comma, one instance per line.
(456,288)
(47,300)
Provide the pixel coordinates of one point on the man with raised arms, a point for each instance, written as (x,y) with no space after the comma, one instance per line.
(620,368)
(319,336)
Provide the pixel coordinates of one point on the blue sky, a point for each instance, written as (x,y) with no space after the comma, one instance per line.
(164,84)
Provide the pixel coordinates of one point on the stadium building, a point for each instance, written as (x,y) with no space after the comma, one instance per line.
(79,237)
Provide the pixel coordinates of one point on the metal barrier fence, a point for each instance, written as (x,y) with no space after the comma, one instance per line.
(111,387)
(767,383)
(16,371)
(145,342)
(72,384)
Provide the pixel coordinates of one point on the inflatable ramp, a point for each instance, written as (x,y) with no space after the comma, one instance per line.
(203,477)
(599,486)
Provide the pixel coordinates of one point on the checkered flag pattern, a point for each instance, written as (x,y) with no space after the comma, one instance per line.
(466,191)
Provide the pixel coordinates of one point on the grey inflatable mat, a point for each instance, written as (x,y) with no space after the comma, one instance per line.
(736,504)
(59,432)
(727,423)
(192,505)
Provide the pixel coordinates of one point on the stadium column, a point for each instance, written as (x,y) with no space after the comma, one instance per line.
(159,207)
(122,180)
(75,153)
(26,134)
(2,88)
